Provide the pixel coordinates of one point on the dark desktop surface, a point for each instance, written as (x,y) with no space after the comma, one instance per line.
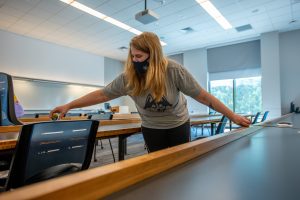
(262,165)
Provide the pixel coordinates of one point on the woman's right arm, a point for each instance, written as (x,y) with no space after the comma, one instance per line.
(92,98)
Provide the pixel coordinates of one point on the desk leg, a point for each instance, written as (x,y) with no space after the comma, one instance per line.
(122,146)
(125,146)
(212,128)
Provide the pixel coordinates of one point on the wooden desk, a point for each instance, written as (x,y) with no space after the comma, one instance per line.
(261,163)
(109,128)
(46,118)
(115,117)
(206,120)
(4,129)
(126,116)
(8,140)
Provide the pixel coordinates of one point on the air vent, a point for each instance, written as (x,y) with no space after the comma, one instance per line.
(243,28)
(187,30)
(123,48)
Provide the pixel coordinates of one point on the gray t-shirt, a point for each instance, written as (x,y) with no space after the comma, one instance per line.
(172,110)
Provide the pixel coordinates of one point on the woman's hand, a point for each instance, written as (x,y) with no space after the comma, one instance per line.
(61,110)
(240,120)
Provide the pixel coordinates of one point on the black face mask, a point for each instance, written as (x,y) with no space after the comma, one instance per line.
(141,67)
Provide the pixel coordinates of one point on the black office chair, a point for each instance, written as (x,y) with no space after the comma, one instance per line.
(8,114)
(73,115)
(37,115)
(90,113)
(50,149)
(27,116)
(256,118)
(103,116)
(220,128)
(264,116)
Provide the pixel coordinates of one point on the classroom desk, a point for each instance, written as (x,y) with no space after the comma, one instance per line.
(237,165)
(122,131)
(9,134)
(262,165)
(116,117)
(102,122)
(212,120)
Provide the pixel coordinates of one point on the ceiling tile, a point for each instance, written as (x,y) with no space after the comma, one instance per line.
(59,23)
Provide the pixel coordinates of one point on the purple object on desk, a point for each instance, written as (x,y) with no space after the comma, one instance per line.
(19,110)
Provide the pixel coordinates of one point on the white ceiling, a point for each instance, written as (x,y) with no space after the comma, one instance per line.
(57,22)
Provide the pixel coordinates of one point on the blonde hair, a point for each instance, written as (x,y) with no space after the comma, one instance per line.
(154,79)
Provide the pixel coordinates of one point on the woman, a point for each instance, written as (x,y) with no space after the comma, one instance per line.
(156,85)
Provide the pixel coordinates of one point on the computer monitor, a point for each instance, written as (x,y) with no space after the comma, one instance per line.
(107,106)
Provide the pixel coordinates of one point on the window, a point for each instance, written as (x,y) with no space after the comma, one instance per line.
(248,95)
(242,95)
(223,90)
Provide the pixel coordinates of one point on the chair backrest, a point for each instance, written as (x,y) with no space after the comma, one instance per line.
(221,125)
(73,115)
(265,116)
(37,115)
(50,149)
(256,118)
(90,113)
(104,116)
(8,114)
(28,116)
(212,113)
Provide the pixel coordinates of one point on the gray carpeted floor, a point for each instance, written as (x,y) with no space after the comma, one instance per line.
(135,147)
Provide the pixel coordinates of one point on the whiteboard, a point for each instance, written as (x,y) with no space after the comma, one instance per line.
(37,95)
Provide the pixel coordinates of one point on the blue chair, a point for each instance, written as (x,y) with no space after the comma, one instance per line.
(220,128)
(256,118)
(102,116)
(51,149)
(264,116)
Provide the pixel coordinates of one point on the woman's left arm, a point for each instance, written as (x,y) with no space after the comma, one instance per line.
(207,99)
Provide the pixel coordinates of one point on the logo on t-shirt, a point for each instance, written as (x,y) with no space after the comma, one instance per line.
(160,106)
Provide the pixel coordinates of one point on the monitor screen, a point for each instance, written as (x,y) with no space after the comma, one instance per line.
(106,106)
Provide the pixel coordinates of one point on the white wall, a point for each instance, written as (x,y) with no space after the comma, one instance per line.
(26,57)
(112,69)
(39,96)
(289,43)
(270,68)
(196,63)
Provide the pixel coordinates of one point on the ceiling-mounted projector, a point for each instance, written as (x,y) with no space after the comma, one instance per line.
(146,16)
